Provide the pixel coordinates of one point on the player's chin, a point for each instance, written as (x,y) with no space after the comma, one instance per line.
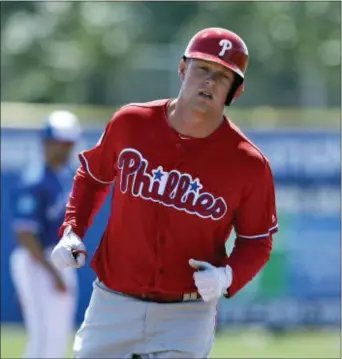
(203,105)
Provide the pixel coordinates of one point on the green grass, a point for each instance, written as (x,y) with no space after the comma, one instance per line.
(248,344)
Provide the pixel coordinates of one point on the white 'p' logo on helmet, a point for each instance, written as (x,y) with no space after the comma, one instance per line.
(226,45)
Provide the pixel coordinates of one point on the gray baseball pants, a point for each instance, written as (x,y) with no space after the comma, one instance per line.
(119,326)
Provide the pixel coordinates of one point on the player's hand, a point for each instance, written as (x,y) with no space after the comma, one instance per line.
(211,282)
(70,251)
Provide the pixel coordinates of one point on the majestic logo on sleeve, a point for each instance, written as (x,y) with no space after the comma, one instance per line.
(171,189)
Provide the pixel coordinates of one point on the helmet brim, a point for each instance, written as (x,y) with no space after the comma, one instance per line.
(215,59)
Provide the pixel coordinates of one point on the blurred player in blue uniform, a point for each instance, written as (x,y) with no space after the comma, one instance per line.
(47,295)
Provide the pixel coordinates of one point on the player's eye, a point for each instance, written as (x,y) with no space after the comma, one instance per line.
(225,78)
(204,68)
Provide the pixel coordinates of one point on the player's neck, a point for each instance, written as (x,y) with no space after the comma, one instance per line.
(189,123)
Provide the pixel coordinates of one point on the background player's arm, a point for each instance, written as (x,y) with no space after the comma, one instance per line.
(26,227)
(32,244)
(91,184)
(256,221)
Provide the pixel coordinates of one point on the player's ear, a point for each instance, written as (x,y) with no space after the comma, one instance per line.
(181,68)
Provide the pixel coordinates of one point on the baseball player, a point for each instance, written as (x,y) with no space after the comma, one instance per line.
(185,176)
(47,295)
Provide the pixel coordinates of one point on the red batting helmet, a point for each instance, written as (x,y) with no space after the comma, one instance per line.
(223,47)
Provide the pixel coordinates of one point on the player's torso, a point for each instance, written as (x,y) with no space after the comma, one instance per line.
(174,199)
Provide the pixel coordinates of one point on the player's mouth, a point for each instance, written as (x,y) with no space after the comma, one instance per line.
(206,95)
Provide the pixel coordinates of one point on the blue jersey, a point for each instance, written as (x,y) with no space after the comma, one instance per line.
(40,201)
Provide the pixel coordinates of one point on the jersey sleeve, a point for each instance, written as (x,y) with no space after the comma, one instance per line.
(27,209)
(255,222)
(256,217)
(99,162)
(92,182)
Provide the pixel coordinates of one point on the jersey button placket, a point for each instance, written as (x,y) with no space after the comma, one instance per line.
(161,244)
(179,153)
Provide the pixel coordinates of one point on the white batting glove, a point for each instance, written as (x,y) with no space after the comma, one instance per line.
(211,282)
(70,251)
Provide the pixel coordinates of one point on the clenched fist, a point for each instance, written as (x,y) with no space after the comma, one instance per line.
(70,251)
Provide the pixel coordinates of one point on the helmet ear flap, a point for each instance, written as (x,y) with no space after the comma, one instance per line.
(236,90)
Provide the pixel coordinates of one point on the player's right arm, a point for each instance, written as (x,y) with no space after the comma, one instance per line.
(91,184)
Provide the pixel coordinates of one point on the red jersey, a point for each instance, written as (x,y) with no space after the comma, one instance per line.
(174,198)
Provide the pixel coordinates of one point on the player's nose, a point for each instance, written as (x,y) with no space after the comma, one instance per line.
(210,80)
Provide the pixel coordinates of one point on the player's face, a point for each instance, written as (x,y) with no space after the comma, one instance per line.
(58,152)
(205,84)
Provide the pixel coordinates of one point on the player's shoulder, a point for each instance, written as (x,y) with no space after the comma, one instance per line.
(246,149)
(147,105)
(139,109)
(33,175)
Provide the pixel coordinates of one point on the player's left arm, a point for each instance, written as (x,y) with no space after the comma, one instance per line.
(255,223)
(27,222)
(27,213)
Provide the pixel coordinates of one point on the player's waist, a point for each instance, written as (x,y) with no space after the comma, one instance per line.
(153,296)
(47,249)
